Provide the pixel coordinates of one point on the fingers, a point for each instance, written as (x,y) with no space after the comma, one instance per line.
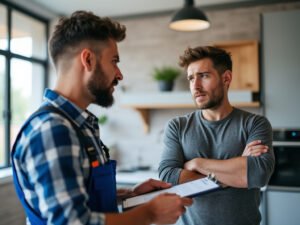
(258,150)
(184,201)
(187,201)
(149,185)
(191,165)
(160,184)
(253,143)
(186,166)
(124,193)
(167,208)
(255,148)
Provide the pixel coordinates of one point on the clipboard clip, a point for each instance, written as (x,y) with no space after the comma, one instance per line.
(212,177)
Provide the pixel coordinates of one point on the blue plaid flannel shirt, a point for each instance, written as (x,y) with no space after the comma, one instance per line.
(52,167)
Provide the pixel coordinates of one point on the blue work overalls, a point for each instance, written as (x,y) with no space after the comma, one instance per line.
(101,185)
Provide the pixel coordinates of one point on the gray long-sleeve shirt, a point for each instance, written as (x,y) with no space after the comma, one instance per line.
(191,136)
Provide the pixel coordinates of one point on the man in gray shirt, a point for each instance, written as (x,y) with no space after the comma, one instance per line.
(232,144)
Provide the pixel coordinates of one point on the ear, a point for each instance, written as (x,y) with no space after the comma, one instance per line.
(227,77)
(88,59)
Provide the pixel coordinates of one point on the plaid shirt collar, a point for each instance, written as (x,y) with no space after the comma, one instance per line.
(74,112)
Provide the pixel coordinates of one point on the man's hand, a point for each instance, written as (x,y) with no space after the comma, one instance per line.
(123,193)
(255,148)
(195,165)
(149,185)
(167,208)
(145,187)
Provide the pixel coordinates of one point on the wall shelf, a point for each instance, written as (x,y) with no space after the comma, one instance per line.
(144,102)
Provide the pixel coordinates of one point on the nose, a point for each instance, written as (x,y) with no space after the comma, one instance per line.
(119,74)
(196,83)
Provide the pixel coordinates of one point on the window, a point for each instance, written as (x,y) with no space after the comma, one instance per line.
(26,92)
(3,28)
(23,71)
(25,32)
(2,147)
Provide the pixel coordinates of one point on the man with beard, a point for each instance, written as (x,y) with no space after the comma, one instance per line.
(62,171)
(230,144)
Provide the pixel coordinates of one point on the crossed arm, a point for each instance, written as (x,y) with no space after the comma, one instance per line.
(230,172)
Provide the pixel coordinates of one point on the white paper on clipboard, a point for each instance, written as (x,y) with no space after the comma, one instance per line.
(188,189)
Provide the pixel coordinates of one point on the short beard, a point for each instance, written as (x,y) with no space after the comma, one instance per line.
(215,102)
(102,95)
(103,98)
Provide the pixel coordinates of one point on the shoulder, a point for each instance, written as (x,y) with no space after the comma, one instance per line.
(181,124)
(47,130)
(47,121)
(251,118)
(181,121)
(256,126)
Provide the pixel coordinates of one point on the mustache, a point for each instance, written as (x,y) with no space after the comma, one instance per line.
(198,92)
(115,82)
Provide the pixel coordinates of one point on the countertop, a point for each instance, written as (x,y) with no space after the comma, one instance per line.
(135,177)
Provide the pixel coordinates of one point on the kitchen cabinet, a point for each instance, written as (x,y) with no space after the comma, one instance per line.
(280,68)
(245,68)
(282,206)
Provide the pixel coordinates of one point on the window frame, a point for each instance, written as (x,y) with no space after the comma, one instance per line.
(8,56)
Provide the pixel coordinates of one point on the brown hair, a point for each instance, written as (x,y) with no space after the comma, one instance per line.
(220,58)
(82,26)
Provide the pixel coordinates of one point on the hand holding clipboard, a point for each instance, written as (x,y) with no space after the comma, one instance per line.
(188,189)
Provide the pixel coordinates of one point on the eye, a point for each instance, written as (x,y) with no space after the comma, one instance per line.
(204,75)
(115,60)
(190,78)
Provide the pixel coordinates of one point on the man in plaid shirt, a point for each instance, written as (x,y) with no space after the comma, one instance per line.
(62,170)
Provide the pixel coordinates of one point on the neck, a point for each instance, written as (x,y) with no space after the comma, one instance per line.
(73,89)
(218,113)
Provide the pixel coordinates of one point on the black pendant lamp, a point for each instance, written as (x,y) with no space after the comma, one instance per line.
(189,18)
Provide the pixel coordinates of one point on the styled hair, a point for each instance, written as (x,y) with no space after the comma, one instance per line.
(82,26)
(220,58)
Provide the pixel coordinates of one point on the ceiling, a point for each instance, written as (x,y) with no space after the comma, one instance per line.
(121,8)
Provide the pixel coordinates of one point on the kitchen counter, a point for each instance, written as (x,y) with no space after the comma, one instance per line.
(132,178)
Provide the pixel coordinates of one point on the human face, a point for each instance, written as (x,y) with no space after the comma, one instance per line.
(105,76)
(206,84)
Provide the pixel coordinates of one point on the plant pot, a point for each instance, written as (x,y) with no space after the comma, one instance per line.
(165,85)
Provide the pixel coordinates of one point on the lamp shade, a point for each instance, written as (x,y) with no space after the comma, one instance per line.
(189,18)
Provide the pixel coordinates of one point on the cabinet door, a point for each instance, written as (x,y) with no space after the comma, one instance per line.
(280,67)
(245,71)
(283,208)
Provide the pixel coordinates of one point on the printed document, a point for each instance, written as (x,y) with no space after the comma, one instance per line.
(188,189)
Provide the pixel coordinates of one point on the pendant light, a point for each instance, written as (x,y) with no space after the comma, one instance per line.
(189,18)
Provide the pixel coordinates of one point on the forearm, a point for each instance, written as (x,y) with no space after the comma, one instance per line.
(186,175)
(231,172)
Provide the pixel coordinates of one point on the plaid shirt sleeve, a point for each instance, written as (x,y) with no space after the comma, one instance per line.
(50,160)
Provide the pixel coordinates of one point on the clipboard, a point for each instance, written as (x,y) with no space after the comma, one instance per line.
(188,189)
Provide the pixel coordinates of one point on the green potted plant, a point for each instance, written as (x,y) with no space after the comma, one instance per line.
(165,76)
(102,119)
